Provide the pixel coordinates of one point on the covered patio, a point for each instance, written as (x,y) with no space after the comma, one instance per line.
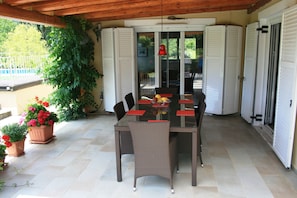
(80,162)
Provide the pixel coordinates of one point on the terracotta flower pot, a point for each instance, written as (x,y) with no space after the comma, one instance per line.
(17,148)
(41,135)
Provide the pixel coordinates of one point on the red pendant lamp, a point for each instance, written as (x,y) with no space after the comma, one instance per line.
(162,48)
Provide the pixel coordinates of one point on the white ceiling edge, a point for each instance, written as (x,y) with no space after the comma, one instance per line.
(151,22)
(170,25)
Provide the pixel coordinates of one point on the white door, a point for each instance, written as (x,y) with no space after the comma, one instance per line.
(232,69)
(286,92)
(124,63)
(249,74)
(213,71)
(118,58)
(108,61)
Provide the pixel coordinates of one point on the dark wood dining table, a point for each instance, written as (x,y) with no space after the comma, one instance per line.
(179,111)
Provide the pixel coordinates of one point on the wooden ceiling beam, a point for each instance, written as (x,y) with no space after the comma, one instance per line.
(257,5)
(29,16)
(54,5)
(21,2)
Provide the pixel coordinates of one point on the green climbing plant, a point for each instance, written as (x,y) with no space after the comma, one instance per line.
(70,68)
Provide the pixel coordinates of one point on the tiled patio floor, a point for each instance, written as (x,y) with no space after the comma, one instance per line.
(80,162)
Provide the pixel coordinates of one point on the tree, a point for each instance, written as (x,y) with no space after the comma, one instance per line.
(26,40)
(6,26)
(71,71)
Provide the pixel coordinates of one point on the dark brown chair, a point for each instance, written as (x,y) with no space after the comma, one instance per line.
(166,90)
(199,97)
(199,113)
(119,110)
(125,136)
(130,100)
(185,140)
(155,150)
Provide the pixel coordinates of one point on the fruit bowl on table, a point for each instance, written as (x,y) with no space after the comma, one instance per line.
(160,100)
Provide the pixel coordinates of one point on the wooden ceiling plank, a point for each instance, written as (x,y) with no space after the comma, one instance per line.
(106,7)
(139,5)
(55,5)
(22,2)
(156,9)
(121,9)
(29,16)
(142,13)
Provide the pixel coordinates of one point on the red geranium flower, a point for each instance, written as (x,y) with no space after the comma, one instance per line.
(37,114)
(5,137)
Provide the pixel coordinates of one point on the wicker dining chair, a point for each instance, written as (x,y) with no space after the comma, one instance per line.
(130,100)
(125,136)
(154,150)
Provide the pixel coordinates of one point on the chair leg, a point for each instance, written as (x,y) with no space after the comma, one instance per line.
(134,185)
(200,142)
(201,161)
(177,164)
(171,184)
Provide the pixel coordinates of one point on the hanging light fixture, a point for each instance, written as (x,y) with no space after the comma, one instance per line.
(162,48)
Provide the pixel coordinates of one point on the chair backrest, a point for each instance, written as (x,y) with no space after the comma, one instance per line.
(151,148)
(163,90)
(119,110)
(130,100)
(201,97)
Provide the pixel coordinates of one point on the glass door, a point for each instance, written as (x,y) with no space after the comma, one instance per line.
(170,63)
(193,61)
(184,53)
(146,63)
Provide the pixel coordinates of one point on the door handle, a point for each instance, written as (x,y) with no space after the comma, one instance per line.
(290,103)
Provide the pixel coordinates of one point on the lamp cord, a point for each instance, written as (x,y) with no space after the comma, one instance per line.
(161,16)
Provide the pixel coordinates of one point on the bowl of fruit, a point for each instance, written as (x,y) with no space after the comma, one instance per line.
(160,100)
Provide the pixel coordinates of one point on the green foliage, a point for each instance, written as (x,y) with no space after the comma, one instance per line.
(71,70)
(15,131)
(1,182)
(145,41)
(26,40)
(6,26)
(2,151)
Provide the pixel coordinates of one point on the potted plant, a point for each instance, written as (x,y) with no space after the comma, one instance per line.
(40,121)
(4,143)
(17,135)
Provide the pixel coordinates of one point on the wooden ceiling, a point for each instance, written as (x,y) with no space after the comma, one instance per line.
(48,12)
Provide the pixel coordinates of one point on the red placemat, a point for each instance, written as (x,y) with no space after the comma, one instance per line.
(185,101)
(185,113)
(168,95)
(157,120)
(142,101)
(161,105)
(135,112)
